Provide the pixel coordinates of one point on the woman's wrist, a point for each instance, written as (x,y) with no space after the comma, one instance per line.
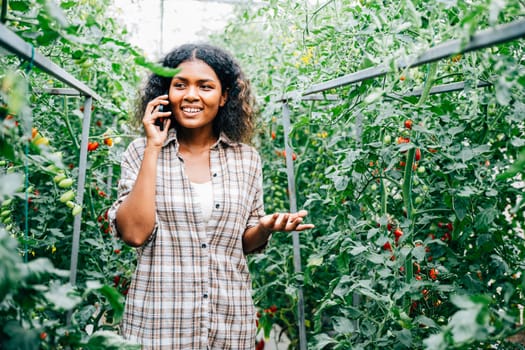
(153,150)
(265,231)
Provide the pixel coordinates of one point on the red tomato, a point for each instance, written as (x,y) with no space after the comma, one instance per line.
(92,146)
(418,155)
(408,124)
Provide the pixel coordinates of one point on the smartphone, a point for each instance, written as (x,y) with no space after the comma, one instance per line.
(160,121)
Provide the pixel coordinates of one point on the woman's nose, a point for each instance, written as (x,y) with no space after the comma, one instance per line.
(191,93)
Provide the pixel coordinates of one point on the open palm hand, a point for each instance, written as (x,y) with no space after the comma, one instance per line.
(285,222)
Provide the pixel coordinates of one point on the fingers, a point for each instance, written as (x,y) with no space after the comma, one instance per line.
(290,222)
(152,112)
(304,227)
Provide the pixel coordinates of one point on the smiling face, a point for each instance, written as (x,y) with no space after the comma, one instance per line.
(196,95)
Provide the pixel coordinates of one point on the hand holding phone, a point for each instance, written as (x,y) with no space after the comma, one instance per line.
(162,109)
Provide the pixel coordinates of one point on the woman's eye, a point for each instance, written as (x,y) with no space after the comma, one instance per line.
(206,87)
(179,86)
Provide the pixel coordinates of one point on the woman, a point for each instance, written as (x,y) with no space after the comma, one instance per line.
(190,199)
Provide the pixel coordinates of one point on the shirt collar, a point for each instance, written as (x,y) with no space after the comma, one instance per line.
(223,138)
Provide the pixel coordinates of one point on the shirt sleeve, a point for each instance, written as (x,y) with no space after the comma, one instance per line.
(257,208)
(130,166)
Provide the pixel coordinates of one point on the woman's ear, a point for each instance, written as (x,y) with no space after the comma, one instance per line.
(224,98)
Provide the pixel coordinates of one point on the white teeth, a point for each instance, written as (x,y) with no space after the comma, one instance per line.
(191,110)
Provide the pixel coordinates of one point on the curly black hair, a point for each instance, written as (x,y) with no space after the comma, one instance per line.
(236,117)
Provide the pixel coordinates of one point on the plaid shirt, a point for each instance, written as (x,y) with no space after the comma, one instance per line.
(191,288)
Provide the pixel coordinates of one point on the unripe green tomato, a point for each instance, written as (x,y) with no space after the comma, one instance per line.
(77,209)
(87,64)
(421,169)
(67,196)
(9,228)
(30,189)
(3,162)
(7,220)
(52,168)
(65,183)
(7,202)
(418,200)
(5,213)
(373,187)
(70,204)
(387,139)
(59,177)
(425,188)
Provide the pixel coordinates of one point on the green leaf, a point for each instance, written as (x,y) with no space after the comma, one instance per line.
(455,130)
(56,13)
(62,296)
(116,300)
(41,269)
(19,338)
(358,250)
(419,253)
(485,218)
(10,184)
(460,207)
(426,321)
(20,5)
(517,167)
(156,68)
(405,337)
(343,325)
(436,342)
(105,340)
(68,4)
(7,151)
(323,340)
(315,260)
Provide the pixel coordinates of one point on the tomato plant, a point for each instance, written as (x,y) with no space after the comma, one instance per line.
(39,143)
(380,270)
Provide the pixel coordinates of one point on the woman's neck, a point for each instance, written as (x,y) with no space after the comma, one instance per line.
(196,140)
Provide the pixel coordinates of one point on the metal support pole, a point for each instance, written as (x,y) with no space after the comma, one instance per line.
(80,188)
(295,235)
(13,43)
(3,15)
(482,39)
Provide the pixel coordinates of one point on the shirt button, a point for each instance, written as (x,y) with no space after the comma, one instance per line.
(214,174)
(203,245)
(205,296)
(217,205)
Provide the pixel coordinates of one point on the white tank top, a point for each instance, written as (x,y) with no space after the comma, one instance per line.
(204,196)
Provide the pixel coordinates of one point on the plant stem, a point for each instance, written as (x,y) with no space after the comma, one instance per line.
(432,69)
(68,125)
